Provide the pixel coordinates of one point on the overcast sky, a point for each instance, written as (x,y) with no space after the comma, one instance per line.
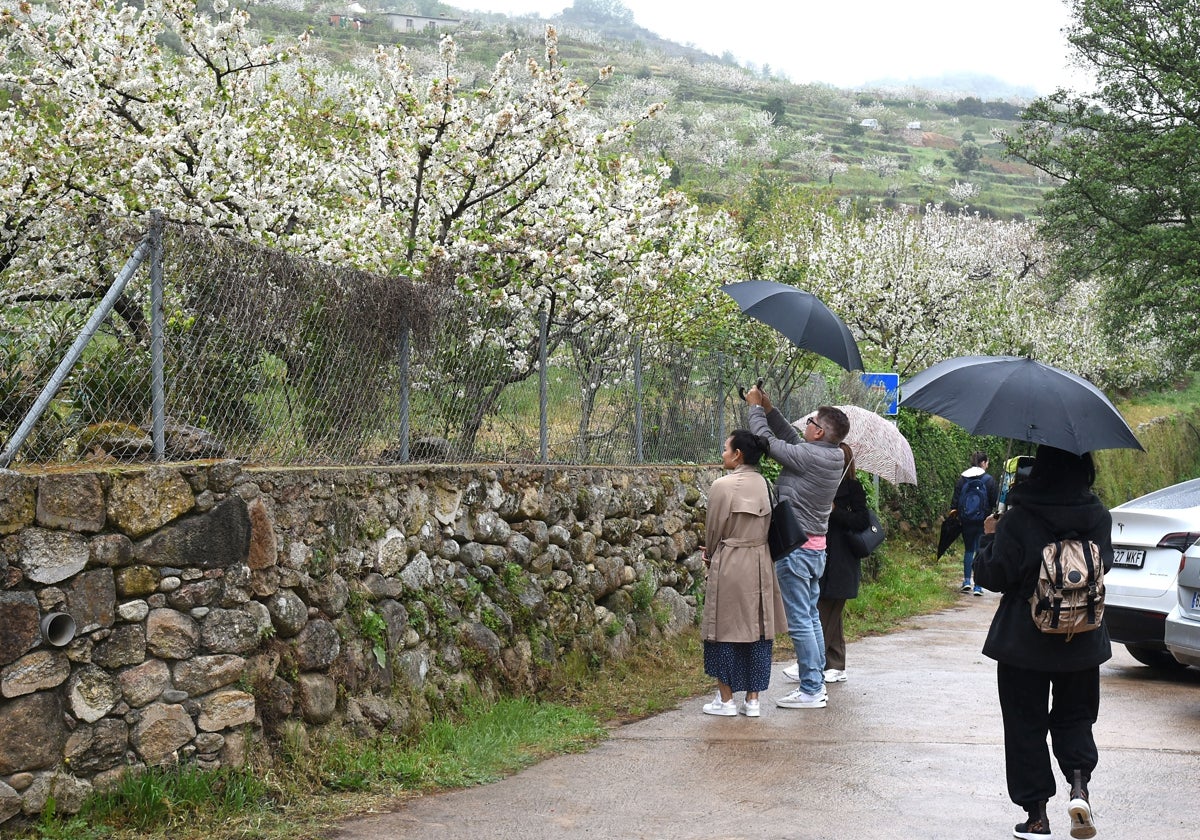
(851,42)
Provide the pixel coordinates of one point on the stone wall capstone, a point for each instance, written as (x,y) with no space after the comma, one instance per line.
(215,606)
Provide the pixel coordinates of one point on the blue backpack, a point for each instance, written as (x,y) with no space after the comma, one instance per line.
(973,500)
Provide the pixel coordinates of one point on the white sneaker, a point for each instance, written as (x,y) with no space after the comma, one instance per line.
(800,700)
(1081,818)
(751,708)
(717,706)
(792,672)
(833,675)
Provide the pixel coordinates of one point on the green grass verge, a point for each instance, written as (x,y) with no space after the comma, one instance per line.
(909,582)
(489,742)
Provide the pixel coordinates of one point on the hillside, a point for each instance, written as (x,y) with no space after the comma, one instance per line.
(876,147)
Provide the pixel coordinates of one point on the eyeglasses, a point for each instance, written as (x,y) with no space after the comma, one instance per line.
(808,421)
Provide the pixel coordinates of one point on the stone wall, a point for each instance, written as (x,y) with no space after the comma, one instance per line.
(212,605)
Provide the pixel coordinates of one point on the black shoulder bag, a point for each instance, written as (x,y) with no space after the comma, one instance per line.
(785,533)
(863,543)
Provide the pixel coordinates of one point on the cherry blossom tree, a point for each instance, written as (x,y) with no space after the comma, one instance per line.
(963,191)
(884,166)
(815,159)
(500,188)
(917,288)
(103,118)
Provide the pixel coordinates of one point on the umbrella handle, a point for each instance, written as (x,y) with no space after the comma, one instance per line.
(742,391)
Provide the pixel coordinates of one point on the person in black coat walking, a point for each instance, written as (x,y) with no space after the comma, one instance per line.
(1047,683)
(843,571)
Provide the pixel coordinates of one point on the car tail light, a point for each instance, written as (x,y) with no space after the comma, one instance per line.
(1178,541)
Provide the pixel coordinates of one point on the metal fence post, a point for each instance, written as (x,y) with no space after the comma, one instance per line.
(721,435)
(60,374)
(158,397)
(405,357)
(638,452)
(543,388)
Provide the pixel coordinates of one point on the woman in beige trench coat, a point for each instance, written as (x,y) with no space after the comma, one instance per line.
(743,611)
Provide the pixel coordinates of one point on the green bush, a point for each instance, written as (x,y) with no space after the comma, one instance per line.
(1172,445)
(113,385)
(941,451)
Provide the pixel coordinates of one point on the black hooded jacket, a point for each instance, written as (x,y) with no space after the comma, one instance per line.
(1007,562)
(843,571)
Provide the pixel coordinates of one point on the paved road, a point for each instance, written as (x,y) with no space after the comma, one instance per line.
(910,747)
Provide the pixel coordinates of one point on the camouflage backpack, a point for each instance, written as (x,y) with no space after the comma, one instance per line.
(1069,595)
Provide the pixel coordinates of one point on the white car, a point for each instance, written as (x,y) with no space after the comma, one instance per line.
(1150,535)
(1183,622)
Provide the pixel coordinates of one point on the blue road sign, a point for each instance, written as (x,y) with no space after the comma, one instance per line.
(888,383)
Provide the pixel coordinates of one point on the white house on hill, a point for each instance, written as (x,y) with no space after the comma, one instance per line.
(418,23)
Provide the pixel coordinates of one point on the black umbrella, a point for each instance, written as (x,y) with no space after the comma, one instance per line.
(1018,398)
(951,529)
(800,316)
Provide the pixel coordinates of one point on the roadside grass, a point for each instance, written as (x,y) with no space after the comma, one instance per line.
(910,582)
(326,776)
(1181,399)
(321,778)
(488,742)
(654,679)
(1167,423)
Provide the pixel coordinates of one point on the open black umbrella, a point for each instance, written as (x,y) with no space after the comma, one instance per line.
(1018,398)
(800,316)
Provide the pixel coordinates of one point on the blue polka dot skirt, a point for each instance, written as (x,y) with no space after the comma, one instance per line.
(743,666)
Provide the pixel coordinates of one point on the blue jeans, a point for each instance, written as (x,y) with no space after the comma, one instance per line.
(799,577)
(971,532)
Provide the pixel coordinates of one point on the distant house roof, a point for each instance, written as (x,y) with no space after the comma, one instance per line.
(870,123)
(402,21)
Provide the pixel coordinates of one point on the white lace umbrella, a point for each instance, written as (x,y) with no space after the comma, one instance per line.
(878,446)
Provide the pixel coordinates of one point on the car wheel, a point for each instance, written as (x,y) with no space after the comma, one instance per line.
(1154,658)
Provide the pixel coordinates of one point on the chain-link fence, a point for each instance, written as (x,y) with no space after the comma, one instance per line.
(275,360)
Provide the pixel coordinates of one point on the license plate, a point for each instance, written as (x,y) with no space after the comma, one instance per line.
(1196,600)
(1132,558)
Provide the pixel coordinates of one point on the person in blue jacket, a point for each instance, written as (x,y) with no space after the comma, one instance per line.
(975,496)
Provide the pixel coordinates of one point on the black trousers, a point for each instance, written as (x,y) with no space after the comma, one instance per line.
(834,629)
(1063,705)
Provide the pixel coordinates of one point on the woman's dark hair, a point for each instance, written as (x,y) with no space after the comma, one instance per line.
(752,446)
(978,458)
(1058,468)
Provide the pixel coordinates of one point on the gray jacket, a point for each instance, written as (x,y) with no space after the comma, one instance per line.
(811,471)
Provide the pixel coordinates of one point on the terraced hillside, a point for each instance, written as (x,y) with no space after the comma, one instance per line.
(877,148)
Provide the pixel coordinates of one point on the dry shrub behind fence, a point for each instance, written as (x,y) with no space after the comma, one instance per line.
(272,359)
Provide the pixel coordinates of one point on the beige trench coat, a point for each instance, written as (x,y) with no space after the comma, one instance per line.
(741,599)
